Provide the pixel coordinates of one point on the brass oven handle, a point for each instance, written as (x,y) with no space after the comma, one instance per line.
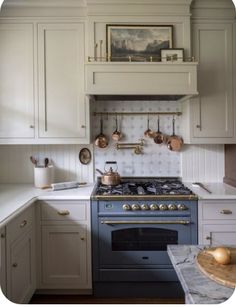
(226,211)
(145,222)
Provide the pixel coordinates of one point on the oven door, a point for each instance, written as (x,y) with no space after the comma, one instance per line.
(140,241)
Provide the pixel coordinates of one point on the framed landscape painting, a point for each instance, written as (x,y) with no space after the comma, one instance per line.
(137,43)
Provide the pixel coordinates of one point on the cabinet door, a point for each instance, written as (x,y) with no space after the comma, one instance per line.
(61,81)
(213,109)
(3,260)
(219,234)
(64,259)
(16,81)
(21,268)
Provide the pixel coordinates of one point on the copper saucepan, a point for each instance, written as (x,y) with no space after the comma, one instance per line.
(116,135)
(159,136)
(148,133)
(109,177)
(174,142)
(101,140)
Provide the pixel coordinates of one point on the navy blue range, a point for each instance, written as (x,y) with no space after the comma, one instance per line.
(132,224)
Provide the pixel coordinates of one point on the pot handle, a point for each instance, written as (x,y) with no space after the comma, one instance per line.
(100,172)
(110,162)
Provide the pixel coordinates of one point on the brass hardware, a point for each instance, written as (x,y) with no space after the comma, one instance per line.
(208,238)
(23,224)
(3,235)
(82,238)
(135,113)
(146,197)
(181,207)
(14,265)
(154,207)
(198,126)
(144,207)
(135,207)
(181,222)
(83,126)
(172,207)
(136,146)
(63,212)
(163,207)
(126,207)
(226,211)
(130,59)
(138,150)
(32,126)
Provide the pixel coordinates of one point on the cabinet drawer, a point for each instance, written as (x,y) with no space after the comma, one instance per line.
(219,210)
(64,211)
(20,224)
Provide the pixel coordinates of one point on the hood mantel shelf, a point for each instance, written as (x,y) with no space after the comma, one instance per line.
(142,79)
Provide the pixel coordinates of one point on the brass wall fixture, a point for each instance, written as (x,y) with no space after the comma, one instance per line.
(137,147)
(135,113)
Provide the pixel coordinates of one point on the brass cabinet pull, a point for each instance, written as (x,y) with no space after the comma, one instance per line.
(145,222)
(3,235)
(226,211)
(23,224)
(63,212)
(82,238)
(14,265)
(208,238)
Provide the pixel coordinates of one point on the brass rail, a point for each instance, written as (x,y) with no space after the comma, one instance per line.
(135,113)
(181,222)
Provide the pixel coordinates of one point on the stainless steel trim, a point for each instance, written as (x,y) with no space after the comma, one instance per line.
(181,222)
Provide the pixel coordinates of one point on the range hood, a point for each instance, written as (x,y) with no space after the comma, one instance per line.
(162,81)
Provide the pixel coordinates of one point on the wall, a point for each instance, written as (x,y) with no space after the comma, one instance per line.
(15,165)
(193,163)
(230,165)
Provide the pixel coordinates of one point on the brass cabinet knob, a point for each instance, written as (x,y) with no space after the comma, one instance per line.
(163,207)
(144,207)
(154,207)
(172,207)
(31,126)
(126,207)
(82,238)
(208,238)
(14,265)
(83,126)
(135,207)
(23,224)
(182,207)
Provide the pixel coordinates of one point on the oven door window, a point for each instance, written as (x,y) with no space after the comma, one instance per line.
(143,239)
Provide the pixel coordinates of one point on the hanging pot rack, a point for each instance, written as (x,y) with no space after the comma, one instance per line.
(135,113)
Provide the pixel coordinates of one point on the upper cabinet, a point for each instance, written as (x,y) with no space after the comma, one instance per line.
(16,82)
(210,117)
(42,96)
(61,81)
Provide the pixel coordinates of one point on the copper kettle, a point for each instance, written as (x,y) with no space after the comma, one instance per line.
(109,177)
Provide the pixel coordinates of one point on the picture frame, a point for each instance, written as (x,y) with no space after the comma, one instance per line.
(137,43)
(172,55)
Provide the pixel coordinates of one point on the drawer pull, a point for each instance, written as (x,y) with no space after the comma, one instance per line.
(63,212)
(226,211)
(82,238)
(208,238)
(23,224)
(14,265)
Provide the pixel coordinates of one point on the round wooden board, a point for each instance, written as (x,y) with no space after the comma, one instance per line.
(222,274)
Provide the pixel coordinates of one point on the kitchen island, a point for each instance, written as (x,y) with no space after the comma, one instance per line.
(198,288)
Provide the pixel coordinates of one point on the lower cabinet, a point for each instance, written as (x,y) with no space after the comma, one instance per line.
(65,245)
(20,257)
(217,222)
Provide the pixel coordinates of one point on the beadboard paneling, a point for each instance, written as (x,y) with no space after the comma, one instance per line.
(203,163)
(15,165)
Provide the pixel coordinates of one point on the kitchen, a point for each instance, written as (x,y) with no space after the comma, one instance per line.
(61,88)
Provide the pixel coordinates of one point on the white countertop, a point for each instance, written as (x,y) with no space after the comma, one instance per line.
(219,191)
(16,197)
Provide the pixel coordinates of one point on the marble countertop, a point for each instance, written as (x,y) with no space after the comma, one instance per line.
(198,288)
(16,197)
(219,190)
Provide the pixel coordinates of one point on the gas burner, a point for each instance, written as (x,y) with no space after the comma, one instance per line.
(140,186)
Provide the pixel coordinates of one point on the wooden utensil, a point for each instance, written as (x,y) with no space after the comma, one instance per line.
(174,142)
(222,274)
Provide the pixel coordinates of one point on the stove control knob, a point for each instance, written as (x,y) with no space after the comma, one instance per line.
(144,207)
(163,207)
(172,207)
(135,207)
(126,207)
(182,207)
(154,207)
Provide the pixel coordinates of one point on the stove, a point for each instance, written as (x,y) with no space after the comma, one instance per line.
(132,224)
(152,188)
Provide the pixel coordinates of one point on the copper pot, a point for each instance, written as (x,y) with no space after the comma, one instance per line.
(101,140)
(109,177)
(174,142)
